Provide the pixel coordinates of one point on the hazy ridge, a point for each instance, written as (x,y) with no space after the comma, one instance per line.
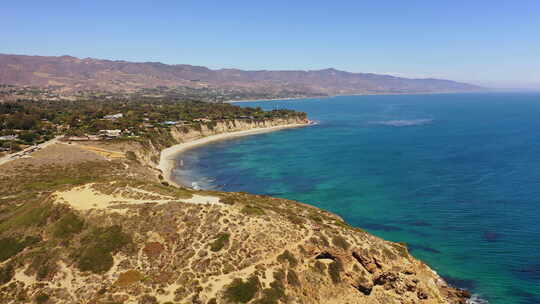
(71,73)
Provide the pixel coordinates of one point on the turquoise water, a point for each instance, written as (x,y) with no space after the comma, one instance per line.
(456,176)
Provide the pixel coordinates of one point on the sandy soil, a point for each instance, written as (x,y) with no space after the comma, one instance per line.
(105,153)
(86,198)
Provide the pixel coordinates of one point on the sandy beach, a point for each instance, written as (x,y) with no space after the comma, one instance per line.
(274,99)
(168,156)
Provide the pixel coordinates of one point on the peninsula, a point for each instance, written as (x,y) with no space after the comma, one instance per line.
(91,217)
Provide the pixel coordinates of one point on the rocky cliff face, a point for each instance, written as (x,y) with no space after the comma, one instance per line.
(150,152)
(139,243)
(101,232)
(187,134)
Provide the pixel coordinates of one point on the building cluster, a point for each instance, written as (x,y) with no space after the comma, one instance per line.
(113,116)
(102,135)
(9,137)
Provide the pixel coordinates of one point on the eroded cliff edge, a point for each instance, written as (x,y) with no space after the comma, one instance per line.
(93,223)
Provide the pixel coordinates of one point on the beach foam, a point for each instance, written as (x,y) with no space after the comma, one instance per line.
(475,299)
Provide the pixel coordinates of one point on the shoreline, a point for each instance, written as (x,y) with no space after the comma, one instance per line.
(167,160)
(275,99)
(357,94)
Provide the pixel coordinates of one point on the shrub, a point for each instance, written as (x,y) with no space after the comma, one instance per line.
(147,299)
(42,263)
(289,257)
(402,249)
(131,155)
(227,200)
(220,242)
(10,246)
(273,294)
(240,291)
(129,277)
(42,298)
(252,210)
(99,246)
(334,270)
(6,273)
(316,218)
(340,242)
(68,225)
(279,275)
(30,214)
(295,219)
(320,267)
(292,278)
(387,253)
(95,259)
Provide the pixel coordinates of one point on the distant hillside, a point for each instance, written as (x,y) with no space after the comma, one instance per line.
(73,74)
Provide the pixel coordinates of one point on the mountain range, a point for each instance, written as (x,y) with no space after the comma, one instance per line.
(73,74)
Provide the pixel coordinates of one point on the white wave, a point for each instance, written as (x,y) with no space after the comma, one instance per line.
(404,122)
(475,299)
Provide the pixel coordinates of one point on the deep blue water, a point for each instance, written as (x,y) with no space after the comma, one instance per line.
(456,176)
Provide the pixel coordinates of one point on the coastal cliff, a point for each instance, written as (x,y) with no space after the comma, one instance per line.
(150,151)
(92,223)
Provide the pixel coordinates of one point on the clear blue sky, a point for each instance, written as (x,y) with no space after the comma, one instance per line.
(483,41)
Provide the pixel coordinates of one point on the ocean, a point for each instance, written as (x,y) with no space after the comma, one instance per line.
(455,176)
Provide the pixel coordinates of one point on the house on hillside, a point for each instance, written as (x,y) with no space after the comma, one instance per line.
(202,120)
(82,138)
(113,117)
(9,137)
(175,123)
(110,133)
(169,123)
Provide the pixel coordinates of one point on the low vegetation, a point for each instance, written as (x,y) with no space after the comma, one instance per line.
(252,210)
(240,291)
(334,270)
(292,278)
(42,298)
(98,247)
(129,277)
(6,273)
(287,256)
(340,242)
(10,246)
(273,294)
(219,242)
(68,225)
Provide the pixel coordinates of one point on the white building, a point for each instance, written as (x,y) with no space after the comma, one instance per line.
(9,137)
(114,116)
(110,133)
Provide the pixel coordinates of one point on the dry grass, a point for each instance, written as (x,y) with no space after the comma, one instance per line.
(105,153)
(129,277)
